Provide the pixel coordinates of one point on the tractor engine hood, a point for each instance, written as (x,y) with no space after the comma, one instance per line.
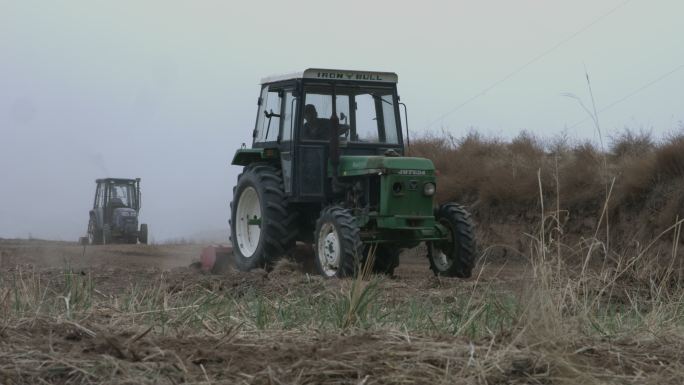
(125,212)
(125,220)
(352,165)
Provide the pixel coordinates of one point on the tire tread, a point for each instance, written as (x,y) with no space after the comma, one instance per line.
(465,252)
(277,236)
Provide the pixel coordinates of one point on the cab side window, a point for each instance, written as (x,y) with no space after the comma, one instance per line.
(288,116)
(268,120)
(99,197)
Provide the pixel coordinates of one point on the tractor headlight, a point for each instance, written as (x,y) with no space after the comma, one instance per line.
(397,188)
(429,189)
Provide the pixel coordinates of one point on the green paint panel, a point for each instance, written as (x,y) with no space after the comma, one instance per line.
(403,196)
(352,165)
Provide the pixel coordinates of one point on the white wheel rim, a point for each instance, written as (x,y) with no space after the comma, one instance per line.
(246,234)
(91,236)
(440,259)
(329,249)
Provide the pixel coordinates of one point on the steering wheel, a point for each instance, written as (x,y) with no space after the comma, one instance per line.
(344,129)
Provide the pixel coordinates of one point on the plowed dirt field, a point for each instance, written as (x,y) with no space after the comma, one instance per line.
(141,314)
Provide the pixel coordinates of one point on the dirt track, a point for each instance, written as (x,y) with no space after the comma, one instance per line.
(47,254)
(120,265)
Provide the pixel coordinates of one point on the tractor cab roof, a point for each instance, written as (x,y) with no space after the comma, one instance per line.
(335,75)
(117,180)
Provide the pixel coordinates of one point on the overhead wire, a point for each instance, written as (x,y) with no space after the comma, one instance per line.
(530,62)
(629,95)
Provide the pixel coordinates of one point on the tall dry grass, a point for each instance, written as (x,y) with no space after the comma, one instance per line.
(498,178)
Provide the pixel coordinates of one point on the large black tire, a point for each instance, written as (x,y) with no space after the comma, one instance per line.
(455,257)
(142,234)
(277,227)
(94,235)
(386,260)
(337,243)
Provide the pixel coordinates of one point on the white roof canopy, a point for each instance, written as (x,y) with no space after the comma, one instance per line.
(331,74)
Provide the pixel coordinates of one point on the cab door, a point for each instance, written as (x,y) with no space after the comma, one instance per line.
(311,161)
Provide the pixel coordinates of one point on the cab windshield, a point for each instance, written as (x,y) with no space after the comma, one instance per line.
(122,195)
(366,114)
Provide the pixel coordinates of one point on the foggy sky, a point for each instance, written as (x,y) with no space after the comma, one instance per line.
(166,90)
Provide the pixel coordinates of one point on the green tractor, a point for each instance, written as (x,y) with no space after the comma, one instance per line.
(327,167)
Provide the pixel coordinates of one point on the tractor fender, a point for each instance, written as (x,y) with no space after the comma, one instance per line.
(247,156)
(96,215)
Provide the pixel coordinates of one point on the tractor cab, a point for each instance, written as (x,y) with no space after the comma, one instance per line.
(297,114)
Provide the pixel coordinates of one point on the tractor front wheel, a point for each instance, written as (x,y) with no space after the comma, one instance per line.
(454,257)
(337,243)
(142,235)
(261,226)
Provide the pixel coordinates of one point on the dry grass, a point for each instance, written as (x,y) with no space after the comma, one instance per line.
(497,178)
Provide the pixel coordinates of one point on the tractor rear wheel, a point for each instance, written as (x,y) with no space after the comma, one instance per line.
(262,229)
(454,257)
(142,235)
(337,243)
(94,236)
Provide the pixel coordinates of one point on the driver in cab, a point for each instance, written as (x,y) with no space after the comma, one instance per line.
(316,128)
